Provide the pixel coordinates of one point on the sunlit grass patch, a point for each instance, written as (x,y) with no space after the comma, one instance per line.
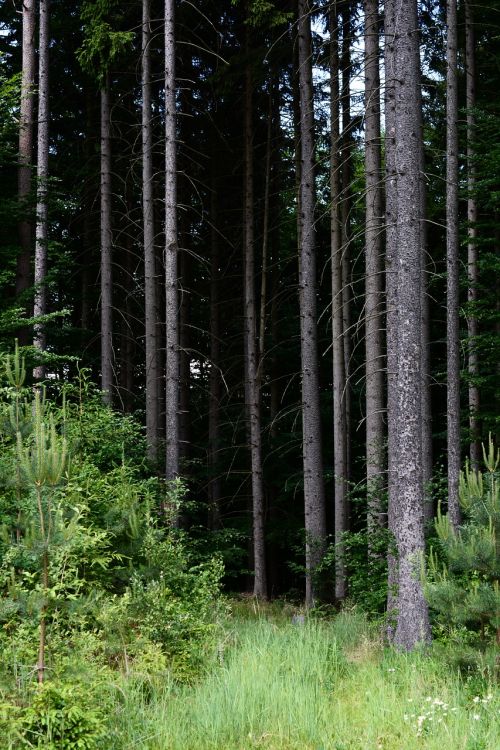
(320,685)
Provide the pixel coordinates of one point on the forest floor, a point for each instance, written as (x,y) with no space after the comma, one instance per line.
(284,683)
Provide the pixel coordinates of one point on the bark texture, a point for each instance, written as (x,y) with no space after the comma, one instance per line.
(252,390)
(171,254)
(150,280)
(406,498)
(314,495)
(373,274)
(472,239)
(339,379)
(391,299)
(42,175)
(26,132)
(452,265)
(347,146)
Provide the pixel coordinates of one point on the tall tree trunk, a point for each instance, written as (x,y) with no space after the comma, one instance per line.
(127,343)
(391,301)
(215,391)
(406,491)
(314,493)
(106,249)
(150,273)
(42,174)
(252,390)
(265,234)
(425,351)
(346,208)
(184,346)
(339,379)
(373,273)
(26,131)
(472,247)
(171,254)
(452,265)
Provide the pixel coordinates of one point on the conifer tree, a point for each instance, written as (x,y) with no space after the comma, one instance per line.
(466,588)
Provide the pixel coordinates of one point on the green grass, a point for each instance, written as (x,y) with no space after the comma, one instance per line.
(327,685)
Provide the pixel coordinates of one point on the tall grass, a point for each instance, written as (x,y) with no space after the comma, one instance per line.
(316,686)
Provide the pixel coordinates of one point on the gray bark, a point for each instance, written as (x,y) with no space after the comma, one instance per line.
(339,379)
(407,498)
(106,250)
(373,274)
(252,390)
(265,236)
(391,300)
(42,175)
(345,213)
(150,273)
(425,337)
(171,254)
(314,495)
(452,265)
(472,246)
(26,132)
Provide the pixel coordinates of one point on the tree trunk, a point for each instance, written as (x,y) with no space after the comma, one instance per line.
(314,495)
(472,247)
(265,234)
(26,131)
(391,302)
(425,334)
(373,273)
(339,380)
(150,273)
(171,254)
(184,347)
(345,212)
(252,391)
(106,250)
(452,265)
(406,442)
(215,390)
(42,174)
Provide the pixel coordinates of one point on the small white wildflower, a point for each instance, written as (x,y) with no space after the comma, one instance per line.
(476,699)
(391,669)
(428,699)
(476,717)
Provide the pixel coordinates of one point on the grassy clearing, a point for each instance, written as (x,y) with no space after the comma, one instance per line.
(320,686)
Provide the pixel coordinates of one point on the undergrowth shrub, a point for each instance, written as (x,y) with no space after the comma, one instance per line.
(93,576)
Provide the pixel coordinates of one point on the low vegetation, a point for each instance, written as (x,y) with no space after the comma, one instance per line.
(115,634)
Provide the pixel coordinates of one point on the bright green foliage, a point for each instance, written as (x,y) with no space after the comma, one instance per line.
(62,717)
(102,43)
(463,584)
(90,566)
